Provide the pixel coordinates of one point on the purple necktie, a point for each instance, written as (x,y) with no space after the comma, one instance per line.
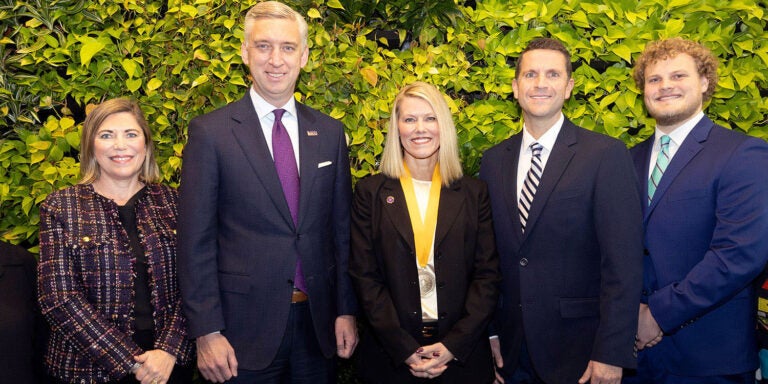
(288,172)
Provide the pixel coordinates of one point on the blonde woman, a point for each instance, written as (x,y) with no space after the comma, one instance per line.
(423,258)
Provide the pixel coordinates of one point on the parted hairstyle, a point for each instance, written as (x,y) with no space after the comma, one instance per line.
(552,45)
(448,153)
(89,167)
(274,10)
(706,62)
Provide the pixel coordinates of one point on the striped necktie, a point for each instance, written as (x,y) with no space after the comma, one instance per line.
(530,184)
(662,161)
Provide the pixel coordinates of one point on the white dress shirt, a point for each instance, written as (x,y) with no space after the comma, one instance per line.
(676,138)
(547,140)
(267,119)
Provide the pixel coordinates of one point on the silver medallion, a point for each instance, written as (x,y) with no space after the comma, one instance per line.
(426,281)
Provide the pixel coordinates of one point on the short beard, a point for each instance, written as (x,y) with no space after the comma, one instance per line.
(676,118)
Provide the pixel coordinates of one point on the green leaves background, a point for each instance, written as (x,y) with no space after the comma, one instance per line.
(180,59)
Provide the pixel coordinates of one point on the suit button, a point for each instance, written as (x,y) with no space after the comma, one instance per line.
(439,255)
(523,262)
(441,284)
(443,315)
(414,314)
(645,252)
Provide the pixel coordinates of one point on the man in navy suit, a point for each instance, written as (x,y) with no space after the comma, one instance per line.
(264,222)
(568,236)
(706,226)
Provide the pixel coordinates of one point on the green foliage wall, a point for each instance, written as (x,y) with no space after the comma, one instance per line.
(181,59)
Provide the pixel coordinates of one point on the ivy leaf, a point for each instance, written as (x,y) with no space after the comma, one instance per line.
(154,83)
(202,79)
(335,4)
(133,84)
(313,13)
(66,122)
(90,47)
(369,74)
(73,139)
(624,52)
(130,67)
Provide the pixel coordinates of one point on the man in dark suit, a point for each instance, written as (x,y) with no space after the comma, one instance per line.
(706,226)
(264,222)
(567,217)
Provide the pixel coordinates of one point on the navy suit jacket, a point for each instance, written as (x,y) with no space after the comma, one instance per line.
(238,245)
(706,239)
(572,282)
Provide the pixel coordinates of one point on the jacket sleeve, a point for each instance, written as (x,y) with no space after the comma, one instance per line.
(197,234)
(617,213)
(482,297)
(64,304)
(346,300)
(738,249)
(369,280)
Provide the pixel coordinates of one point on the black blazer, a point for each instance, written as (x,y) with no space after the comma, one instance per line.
(572,282)
(238,245)
(384,272)
(22,330)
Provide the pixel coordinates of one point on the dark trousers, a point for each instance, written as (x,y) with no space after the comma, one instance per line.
(651,370)
(524,373)
(299,359)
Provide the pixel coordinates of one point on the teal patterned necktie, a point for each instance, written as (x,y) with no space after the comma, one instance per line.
(662,161)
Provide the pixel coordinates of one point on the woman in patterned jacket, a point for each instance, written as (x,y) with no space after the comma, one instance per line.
(107,281)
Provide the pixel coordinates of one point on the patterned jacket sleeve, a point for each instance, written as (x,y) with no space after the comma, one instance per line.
(63,301)
(172,337)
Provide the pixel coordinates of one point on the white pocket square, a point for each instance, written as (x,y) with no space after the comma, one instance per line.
(324,164)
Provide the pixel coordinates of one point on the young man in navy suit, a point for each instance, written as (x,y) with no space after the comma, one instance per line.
(264,222)
(566,212)
(706,226)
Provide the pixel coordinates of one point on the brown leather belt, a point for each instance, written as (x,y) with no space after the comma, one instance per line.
(299,296)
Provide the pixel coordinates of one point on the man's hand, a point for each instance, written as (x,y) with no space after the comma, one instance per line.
(156,366)
(600,373)
(346,335)
(648,331)
(496,351)
(216,358)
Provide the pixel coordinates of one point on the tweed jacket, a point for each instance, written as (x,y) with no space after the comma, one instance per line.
(85,282)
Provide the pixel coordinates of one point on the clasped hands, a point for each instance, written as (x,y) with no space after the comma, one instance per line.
(429,361)
(648,331)
(153,367)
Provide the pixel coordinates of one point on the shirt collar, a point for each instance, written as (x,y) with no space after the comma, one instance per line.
(547,140)
(678,135)
(264,109)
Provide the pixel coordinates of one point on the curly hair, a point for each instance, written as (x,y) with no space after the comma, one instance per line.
(655,51)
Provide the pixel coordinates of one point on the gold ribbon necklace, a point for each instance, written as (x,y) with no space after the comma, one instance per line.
(423,230)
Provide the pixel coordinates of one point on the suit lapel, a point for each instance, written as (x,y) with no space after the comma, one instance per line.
(641,155)
(692,145)
(509,183)
(561,155)
(396,209)
(451,204)
(309,153)
(248,132)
